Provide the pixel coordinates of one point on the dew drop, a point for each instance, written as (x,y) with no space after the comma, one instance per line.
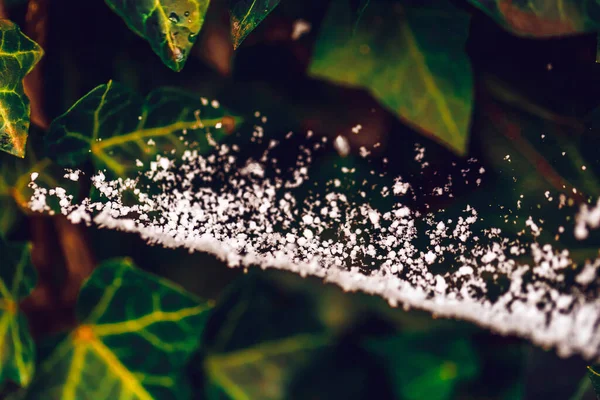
(173,17)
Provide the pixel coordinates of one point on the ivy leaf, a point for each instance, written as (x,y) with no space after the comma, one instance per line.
(136,335)
(424,367)
(117,129)
(410,56)
(543,18)
(594,374)
(246,15)
(17,279)
(15,177)
(18,56)
(248,373)
(170,26)
(258,336)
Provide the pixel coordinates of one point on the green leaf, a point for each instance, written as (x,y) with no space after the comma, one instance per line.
(15,177)
(136,335)
(359,7)
(543,18)
(17,279)
(594,374)
(170,26)
(18,56)
(258,336)
(423,367)
(411,56)
(246,15)
(262,371)
(115,127)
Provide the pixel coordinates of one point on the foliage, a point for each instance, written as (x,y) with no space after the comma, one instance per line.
(543,18)
(246,15)
(595,378)
(17,279)
(18,56)
(117,129)
(170,26)
(135,332)
(139,336)
(428,82)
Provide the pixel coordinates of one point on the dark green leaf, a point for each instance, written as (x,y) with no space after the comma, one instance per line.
(135,337)
(117,129)
(543,18)
(18,56)
(410,56)
(170,26)
(246,15)
(17,279)
(423,367)
(594,374)
(359,7)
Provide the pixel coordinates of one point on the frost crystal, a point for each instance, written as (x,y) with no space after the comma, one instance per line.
(266,211)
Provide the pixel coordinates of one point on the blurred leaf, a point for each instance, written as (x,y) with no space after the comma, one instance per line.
(115,127)
(543,18)
(410,56)
(135,337)
(359,7)
(258,336)
(246,15)
(18,56)
(17,279)
(424,367)
(15,176)
(598,48)
(262,371)
(170,26)
(594,374)
(343,371)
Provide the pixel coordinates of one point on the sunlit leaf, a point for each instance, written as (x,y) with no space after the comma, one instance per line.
(118,130)
(423,367)
(135,337)
(17,279)
(543,18)
(170,26)
(246,15)
(18,56)
(410,56)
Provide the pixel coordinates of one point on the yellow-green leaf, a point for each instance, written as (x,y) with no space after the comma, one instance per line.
(246,15)
(258,337)
(170,26)
(118,130)
(410,55)
(135,337)
(265,370)
(18,56)
(543,18)
(17,279)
